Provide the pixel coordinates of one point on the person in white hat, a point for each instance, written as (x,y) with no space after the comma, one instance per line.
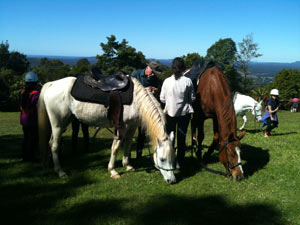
(28,98)
(270,118)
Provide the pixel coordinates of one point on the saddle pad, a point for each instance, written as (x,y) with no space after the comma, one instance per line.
(198,68)
(85,93)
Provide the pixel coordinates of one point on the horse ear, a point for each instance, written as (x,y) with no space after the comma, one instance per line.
(172,136)
(159,143)
(261,102)
(242,134)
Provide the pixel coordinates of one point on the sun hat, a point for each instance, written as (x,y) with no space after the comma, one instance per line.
(154,65)
(274,92)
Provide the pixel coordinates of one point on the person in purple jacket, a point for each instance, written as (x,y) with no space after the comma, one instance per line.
(29,96)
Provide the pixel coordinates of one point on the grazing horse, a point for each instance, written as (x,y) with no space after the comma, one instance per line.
(243,104)
(213,100)
(57,107)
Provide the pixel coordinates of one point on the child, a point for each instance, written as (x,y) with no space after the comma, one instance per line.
(28,104)
(270,117)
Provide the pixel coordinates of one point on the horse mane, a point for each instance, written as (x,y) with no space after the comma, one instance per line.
(150,112)
(227,110)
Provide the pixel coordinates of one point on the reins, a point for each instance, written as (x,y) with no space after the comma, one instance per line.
(229,165)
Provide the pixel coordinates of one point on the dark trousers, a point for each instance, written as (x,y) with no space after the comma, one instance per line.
(85,131)
(30,143)
(140,142)
(271,124)
(179,125)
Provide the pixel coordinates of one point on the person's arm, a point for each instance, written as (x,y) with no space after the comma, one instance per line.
(163,93)
(192,92)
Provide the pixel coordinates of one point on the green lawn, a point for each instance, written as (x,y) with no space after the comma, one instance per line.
(269,195)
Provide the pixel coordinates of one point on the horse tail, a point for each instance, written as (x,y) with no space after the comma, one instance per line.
(44,127)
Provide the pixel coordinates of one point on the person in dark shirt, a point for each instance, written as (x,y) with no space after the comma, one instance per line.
(148,78)
(270,118)
(29,97)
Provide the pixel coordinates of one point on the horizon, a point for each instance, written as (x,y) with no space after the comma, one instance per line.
(160,30)
(65,56)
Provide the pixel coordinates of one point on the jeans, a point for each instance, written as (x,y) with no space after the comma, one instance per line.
(179,125)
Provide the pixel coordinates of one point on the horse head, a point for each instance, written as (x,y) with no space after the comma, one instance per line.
(164,158)
(257,111)
(229,155)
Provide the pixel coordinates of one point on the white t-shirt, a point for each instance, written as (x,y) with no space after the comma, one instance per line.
(178,96)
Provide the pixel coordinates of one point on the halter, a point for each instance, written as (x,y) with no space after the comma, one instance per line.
(161,168)
(254,109)
(229,165)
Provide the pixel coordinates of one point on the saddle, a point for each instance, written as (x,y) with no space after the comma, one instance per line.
(112,91)
(198,68)
(117,81)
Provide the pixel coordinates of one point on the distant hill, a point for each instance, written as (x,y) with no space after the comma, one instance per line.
(70,60)
(263,70)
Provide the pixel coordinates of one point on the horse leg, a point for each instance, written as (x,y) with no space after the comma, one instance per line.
(214,143)
(245,121)
(200,138)
(127,149)
(55,145)
(111,165)
(193,135)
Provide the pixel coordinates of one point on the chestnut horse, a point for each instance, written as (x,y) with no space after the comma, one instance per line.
(214,101)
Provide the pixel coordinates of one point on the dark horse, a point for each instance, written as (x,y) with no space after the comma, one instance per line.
(214,101)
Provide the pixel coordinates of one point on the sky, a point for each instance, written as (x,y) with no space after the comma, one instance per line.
(161,29)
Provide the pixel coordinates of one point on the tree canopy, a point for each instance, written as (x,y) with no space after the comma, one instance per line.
(247,51)
(119,56)
(288,83)
(223,51)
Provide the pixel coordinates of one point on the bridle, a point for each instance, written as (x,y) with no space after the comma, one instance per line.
(229,165)
(255,114)
(161,168)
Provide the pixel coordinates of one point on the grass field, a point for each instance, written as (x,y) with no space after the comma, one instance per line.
(269,195)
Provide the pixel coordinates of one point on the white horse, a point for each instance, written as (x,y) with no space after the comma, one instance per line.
(57,107)
(243,104)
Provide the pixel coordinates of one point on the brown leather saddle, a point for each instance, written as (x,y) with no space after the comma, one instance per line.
(117,81)
(113,91)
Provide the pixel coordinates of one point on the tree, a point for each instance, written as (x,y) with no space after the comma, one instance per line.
(247,51)
(4,54)
(82,66)
(13,65)
(50,70)
(223,51)
(13,60)
(288,83)
(190,58)
(119,56)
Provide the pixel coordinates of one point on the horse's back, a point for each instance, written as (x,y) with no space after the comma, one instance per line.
(213,91)
(243,103)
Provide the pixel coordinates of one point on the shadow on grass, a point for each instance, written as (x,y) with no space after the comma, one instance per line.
(254,131)
(48,200)
(171,209)
(256,159)
(283,134)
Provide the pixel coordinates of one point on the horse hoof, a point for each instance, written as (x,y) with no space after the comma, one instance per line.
(116,176)
(130,169)
(63,176)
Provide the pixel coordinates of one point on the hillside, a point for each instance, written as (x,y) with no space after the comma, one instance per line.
(261,72)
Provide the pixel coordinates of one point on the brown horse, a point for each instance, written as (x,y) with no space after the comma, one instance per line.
(214,101)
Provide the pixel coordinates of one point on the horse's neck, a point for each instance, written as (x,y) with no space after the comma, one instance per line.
(150,112)
(226,122)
